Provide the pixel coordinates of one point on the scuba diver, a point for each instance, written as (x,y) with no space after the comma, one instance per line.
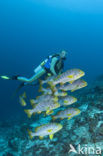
(52,65)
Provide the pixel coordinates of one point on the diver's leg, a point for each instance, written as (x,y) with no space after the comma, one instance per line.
(34,77)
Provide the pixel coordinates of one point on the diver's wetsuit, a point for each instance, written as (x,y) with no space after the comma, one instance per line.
(53,65)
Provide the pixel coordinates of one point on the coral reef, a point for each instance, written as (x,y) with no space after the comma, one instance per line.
(85,129)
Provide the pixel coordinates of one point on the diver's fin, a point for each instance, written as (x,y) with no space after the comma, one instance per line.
(27,111)
(5,77)
(30,134)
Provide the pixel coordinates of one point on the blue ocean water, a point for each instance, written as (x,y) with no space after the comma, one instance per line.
(30,30)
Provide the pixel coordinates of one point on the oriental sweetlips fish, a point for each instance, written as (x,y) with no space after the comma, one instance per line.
(47,106)
(44,98)
(67,100)
(78,84)
(44,130)
(68,76)
(68,113)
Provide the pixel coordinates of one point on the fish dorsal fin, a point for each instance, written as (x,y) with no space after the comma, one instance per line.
(38,128)
(51,136)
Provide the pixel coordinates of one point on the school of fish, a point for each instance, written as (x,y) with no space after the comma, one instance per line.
(53,96)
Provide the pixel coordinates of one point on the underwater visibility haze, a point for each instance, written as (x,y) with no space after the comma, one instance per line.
(69,112)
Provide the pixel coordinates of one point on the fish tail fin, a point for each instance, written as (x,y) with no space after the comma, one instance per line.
(28,112)
(52,86)
(24,95)
(30,134)
(32,102)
